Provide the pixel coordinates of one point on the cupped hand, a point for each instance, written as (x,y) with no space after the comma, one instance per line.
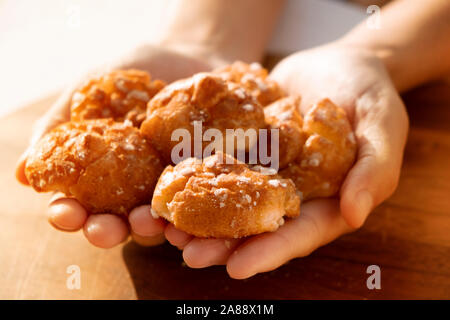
(357,81)
(67,214)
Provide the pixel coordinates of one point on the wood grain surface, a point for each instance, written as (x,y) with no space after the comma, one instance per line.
(408,236)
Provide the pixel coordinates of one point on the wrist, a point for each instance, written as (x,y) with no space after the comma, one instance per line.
(215,49)
(388,55)
(209,53)
(220,32)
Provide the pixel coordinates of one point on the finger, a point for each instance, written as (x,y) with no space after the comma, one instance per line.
(381,133)
(177,237)
(57,114)
(148,241)
(319,223)
(144,224)
(105,230)
(66,214)
(201,253)
(20,169)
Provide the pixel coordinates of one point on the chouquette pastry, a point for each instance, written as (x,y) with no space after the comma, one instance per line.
(254,78)
(222,197)
(120,94)
(206,100)
(284,115)
(327,154)
(107,166)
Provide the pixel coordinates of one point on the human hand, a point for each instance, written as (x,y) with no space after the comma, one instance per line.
(357,81)
(67,214)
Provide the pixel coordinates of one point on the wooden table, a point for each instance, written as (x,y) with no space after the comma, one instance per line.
(408,237)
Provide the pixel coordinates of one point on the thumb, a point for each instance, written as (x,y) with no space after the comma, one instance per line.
(381,131)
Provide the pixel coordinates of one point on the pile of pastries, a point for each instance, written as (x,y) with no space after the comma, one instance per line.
(116,151)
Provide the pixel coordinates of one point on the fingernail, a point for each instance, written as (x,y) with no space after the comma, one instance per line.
(364,202)
(55,197)
(149,234)
(53,220)
(20,168)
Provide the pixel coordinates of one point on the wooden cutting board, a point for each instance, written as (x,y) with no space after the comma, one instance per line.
(408,236)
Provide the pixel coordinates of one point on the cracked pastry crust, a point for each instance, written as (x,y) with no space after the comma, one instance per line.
(253,77)
(223,198)
(107,166)
(327,155)
(120,94)
(204,97)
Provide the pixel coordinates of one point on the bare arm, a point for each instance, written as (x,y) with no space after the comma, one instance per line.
(223,30)
(413,41)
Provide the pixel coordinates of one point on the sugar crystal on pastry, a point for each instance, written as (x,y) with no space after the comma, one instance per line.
(120,94)
(107,166)
(224,200)
(203,101)
(327,155)
(254,78)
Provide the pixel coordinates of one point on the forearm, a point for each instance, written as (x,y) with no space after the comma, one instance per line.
(227,30)
(413,41)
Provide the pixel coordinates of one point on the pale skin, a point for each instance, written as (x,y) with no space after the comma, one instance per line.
(362,72)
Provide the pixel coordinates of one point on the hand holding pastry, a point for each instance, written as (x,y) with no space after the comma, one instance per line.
(358,82)
(121,94)
(179,53)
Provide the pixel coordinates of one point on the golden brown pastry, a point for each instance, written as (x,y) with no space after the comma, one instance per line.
(203,99)
(120,94)
(110,166)
(327,154)
(284,115)
(223,198)
(107,166)
(253,77)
